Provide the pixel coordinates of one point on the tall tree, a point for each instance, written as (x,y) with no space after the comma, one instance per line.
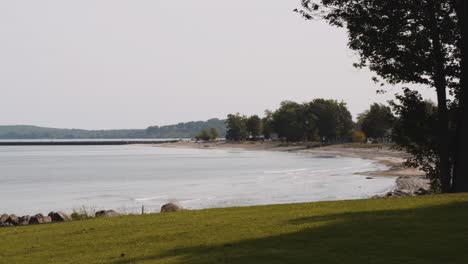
(320,119)
(377,121)
(236,127)
(289,121)
(267,124)
(254,126)
(461,160)
(403,42)
(346,123)
(333,119)
(414,132)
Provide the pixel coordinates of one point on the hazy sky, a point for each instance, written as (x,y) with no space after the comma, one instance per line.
(134,63)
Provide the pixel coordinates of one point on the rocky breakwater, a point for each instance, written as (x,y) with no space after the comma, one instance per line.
(13,220)
(7,220)
(408,186)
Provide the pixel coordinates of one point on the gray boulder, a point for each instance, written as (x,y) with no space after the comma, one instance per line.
(3,218)
(421,191)
(170,207)
(59,217)
(24,220)
(107,213)
(40,219)
(12,220)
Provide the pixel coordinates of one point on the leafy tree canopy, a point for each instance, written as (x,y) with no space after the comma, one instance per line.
(377,121)
(254,126)
(236,127)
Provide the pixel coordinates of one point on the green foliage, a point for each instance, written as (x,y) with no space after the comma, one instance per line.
(236,127)
(333,119)
(214,133)
(254,126)
(203,135)
(346,124)
(181,130)
(34,132)
(416,230)
(394,39)
(377,121)
(291,122)
(208,134)
(267,124)
(320,119)
(415,131)
(187,130)
(412,42)
(294,122)
(358,136)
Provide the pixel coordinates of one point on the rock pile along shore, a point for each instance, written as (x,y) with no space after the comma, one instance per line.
(7,220)
(13,220)
(53,217)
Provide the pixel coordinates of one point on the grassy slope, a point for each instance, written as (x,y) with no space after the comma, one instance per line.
(432,229)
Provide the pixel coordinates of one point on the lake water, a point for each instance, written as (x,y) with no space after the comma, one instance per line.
(37,179)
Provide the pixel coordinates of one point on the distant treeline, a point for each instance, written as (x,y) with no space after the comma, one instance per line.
(180,130)
(319,120)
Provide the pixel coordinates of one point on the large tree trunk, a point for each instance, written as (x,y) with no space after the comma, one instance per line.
(461,159)
(444,156)
(440,84)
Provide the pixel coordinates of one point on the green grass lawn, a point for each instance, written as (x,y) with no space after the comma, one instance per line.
(431,229)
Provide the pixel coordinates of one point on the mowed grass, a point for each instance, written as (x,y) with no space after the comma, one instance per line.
(430,229)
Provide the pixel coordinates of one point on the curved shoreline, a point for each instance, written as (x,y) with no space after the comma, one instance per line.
(409,181)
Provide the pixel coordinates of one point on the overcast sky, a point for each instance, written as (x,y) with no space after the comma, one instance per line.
(135,63)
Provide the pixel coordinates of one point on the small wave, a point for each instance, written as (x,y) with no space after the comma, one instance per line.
(148,198)
(285,171)
(191,200)
(358,168)
(326,156)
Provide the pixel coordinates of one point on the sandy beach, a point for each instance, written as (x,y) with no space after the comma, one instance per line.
(409,180)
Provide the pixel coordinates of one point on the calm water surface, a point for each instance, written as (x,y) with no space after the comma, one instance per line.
(43,178)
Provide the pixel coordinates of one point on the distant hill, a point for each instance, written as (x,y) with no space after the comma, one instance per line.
(180,130)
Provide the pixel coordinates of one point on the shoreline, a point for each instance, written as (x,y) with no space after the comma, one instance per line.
(409,181)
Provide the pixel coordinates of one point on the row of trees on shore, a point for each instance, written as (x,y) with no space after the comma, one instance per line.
(402,42)
(409,122)
(319,120)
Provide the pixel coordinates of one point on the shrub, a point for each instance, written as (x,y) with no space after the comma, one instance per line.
(358,136)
